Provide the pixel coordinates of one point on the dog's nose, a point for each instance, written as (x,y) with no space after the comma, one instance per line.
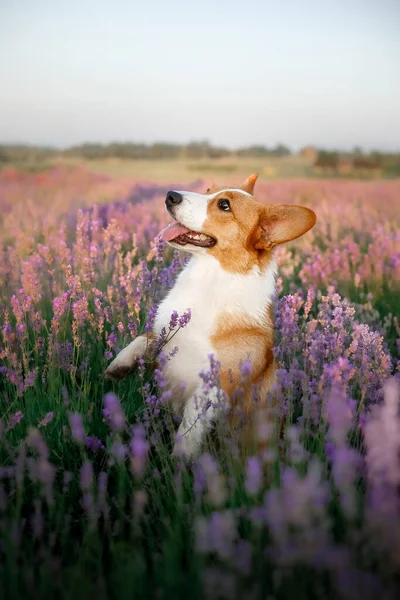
(173,198)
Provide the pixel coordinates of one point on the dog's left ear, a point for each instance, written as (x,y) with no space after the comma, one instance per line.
(248,185)
(282,223)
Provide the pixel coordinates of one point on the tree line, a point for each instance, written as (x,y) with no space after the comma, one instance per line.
(131,150)
(323,160)
(356,161)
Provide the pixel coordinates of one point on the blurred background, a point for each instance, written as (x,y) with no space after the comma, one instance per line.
(180,91)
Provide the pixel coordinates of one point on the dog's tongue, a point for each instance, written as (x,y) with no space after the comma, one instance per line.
(172,231)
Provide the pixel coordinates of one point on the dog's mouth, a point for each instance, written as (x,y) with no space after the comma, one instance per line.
(179,234)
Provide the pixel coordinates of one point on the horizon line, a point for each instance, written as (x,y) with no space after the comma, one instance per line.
(62,148)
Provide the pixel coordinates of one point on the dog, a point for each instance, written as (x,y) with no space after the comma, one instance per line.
(228,284)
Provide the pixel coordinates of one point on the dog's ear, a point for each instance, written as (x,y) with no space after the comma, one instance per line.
(248,185)
(282,223)
(209,189)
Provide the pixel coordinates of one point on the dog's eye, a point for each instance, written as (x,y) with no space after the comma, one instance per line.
(224,205)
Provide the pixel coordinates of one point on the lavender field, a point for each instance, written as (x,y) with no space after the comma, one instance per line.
(92,504)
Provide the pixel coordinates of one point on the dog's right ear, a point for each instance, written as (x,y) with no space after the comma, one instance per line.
(282,223)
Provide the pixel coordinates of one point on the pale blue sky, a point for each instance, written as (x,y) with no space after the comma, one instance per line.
(234,72)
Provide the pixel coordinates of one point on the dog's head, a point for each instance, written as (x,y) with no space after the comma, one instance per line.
(231,225)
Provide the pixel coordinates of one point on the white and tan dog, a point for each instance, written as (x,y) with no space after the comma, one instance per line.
(228,285)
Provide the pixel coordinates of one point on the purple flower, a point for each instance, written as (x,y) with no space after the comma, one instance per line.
(382,439)
(64,393)
(138,450)
(296,514)
(118,451)
(151,317)
(216,534)
(93,443)
(253,475)
(80,310)
(185,318)
(112,341)
(173,320)
(329,450)
(14,420)
(113,412)
(243,557)
(245,370)
(46,420)
(211,378)
(86,476)
(67,478)
(75,422)
(207,472)
(40,469)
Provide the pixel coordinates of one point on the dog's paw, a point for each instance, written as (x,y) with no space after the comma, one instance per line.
(122,365)
(118,372)
(125,362)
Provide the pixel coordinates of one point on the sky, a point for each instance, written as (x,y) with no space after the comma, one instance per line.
(235,72)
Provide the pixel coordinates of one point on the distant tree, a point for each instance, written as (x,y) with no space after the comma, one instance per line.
(363,161)
(3,156)
(327,159)
(254,151)
(281,150)
(199,149)
(258,151)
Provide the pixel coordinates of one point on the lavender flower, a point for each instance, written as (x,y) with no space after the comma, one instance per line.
(138,450)
(216,534)
(14,420)
(151,316)
(75,422)
(113,412)
(86,476)
(93,443)
(185,318)
(383,473)
(118,451)
(253,476)
(173,320)
(214,480)
(46,419)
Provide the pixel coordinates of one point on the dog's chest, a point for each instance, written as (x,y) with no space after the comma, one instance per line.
(208,291)
(194,290)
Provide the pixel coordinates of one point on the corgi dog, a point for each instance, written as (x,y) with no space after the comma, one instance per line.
(228,284)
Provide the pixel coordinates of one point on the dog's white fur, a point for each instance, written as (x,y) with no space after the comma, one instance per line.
(225,293)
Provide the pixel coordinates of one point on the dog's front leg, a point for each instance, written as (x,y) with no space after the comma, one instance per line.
(126,360)
(201,410)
